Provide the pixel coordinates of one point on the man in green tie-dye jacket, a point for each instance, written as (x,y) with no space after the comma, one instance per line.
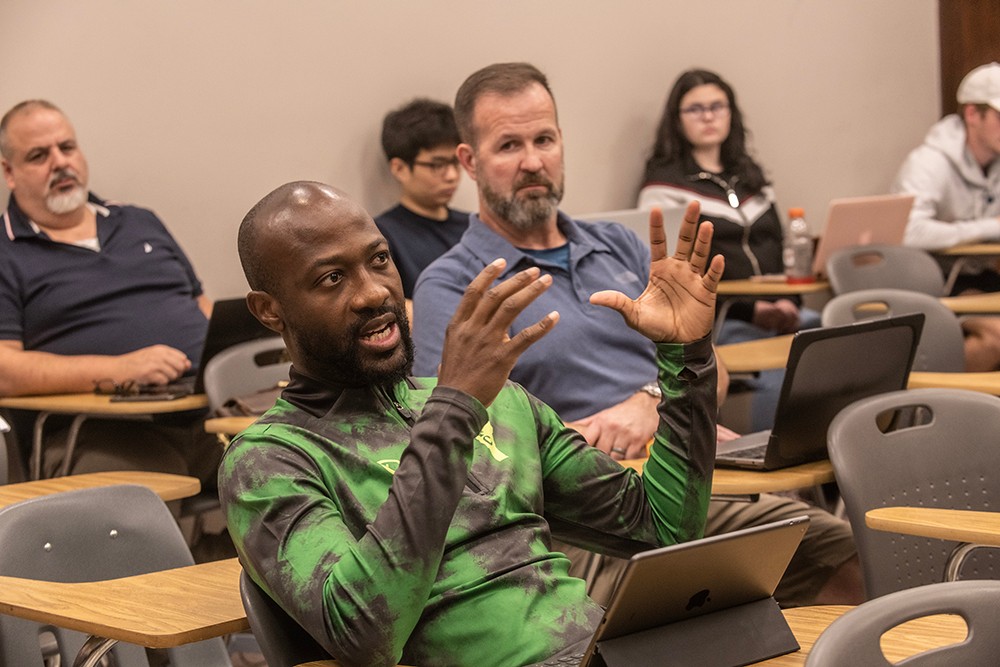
(409,519)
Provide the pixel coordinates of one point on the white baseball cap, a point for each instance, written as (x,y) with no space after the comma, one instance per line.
(981,86)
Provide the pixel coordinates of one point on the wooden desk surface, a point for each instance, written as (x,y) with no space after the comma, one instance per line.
(971,249)
(158,610)
(986,303)
(98,404)
(764,354)
(987,382)
(808,622)
(770,288)
(228,425)
(731,482)
(960,525)
(165,485)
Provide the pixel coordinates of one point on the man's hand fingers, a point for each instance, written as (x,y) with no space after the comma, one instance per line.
(528,336)
(689,227)
(714,274)
(477,288)
(702,247)
(614,300)
(657,237)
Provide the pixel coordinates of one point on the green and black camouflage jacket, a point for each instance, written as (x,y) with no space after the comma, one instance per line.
(413,525)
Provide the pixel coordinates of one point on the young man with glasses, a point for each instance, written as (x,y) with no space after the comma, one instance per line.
(955,176)
(419,140)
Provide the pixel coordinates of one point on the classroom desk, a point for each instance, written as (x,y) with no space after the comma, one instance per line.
(987,382)
(807,623)
(156,610)
(165,485)
(731,291)
(228,425)
(732,482)
(963,253)
(85,406)
(968,527)
(985,303)
(763,354)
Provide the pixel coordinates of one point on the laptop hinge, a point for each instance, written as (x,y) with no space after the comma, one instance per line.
(731,637)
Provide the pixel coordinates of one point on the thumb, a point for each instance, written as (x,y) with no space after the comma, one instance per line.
(611,299)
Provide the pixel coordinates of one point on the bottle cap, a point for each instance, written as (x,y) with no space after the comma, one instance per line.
(796,213)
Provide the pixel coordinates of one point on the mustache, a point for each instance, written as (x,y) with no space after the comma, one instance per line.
(370,314)
(533,179)
(62,173)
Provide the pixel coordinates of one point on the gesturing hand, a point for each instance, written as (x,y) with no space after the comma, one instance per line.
(478,351)
(678,304)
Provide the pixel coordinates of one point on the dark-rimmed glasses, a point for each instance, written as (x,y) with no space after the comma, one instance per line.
(438,167)
(700,110)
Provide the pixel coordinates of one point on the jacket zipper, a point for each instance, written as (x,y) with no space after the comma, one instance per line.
(734,202)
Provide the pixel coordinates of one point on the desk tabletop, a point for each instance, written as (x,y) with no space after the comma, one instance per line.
(987,382)
(807,623)
(228,425)
(763,354)
(99,404)
(165,485)
(984,303)
(971,249)
(770,288)
(158,610)
(732,482)
(947,524)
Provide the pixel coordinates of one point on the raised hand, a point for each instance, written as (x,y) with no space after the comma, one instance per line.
(678,304)
(478,351)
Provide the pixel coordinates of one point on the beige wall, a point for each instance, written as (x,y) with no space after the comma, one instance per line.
(198,108)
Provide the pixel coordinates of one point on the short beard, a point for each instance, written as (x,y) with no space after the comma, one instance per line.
(66,202)
(341,362)
(524,214)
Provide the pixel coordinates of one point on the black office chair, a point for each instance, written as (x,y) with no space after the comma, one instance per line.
(283,642)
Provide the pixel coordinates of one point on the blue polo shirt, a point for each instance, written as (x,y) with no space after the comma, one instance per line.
(138,290)
(610,361)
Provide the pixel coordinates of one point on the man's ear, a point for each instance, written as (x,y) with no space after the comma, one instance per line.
(467,157)
(266,309)
(399,169)
(8,174)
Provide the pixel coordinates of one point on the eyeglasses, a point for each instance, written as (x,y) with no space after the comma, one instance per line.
(700,110)
(438,167)
(110,387)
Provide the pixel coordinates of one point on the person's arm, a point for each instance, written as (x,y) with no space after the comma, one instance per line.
(926,176)
(362,594)
(24,372)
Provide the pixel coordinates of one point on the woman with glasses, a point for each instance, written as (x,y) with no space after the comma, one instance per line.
(701,153)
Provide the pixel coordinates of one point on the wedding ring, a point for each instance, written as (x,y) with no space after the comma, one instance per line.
(617,450)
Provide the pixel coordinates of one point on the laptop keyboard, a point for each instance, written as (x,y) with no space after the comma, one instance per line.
(755,452)
(564,661)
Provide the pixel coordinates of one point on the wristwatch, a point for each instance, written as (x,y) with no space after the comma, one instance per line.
(652,389)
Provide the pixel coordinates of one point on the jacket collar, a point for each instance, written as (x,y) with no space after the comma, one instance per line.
(17,224)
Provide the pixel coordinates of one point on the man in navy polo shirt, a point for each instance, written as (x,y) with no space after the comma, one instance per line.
(93,292)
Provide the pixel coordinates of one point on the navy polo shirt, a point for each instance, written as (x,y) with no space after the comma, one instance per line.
(609,361)
(138,290)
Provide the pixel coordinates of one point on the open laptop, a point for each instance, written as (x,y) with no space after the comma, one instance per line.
(691,592)
(827,370)
(231,323)
(637,220)
(858,221)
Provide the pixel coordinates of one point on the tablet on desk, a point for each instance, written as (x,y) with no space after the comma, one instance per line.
(152,396)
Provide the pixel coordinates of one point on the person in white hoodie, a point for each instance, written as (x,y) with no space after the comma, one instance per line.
(955,176)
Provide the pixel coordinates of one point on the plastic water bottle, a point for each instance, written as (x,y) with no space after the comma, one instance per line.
(798,251)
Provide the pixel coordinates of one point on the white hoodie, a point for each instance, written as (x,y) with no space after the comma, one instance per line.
(955,202)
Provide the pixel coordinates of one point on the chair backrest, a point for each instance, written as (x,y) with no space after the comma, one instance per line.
(91,535)
(941,346)
(871,266)
(245,368)
(283,642)
(925,448)
(853,639)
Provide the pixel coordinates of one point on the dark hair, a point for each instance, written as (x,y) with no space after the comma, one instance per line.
(672,146)
(15,110)
(418,125)
(500,78)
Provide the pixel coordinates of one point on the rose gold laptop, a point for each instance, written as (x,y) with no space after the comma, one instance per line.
(858,221)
